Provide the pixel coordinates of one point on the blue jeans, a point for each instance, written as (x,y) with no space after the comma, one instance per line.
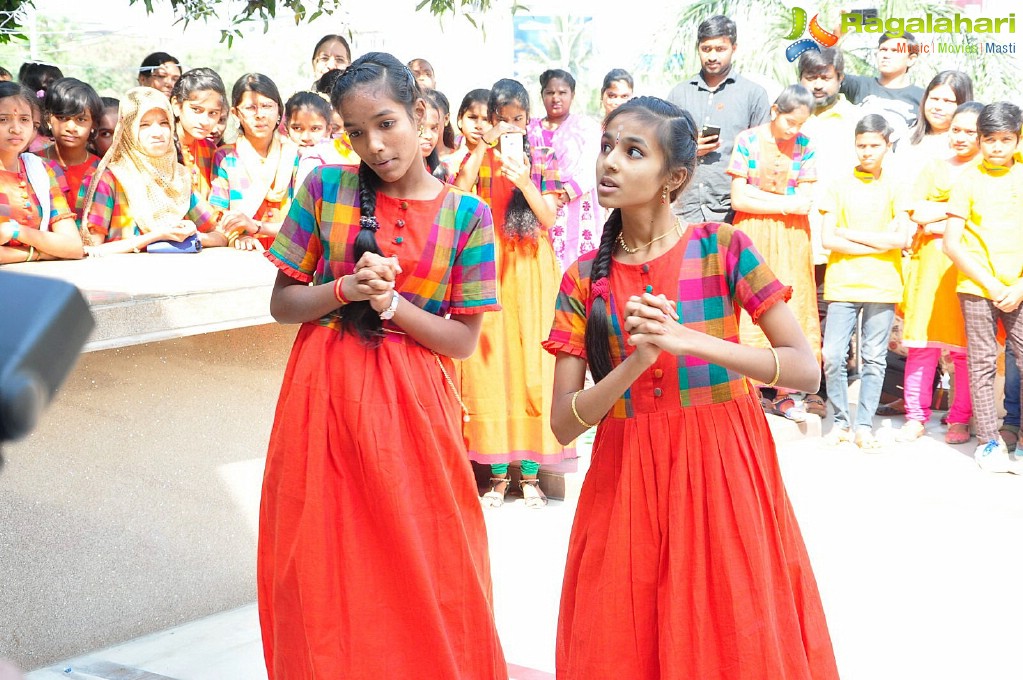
(1011,402)
(838,331)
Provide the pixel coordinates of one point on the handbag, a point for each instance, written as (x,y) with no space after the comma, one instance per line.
(192,244)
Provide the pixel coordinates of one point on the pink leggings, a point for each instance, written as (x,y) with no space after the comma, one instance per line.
(921,363)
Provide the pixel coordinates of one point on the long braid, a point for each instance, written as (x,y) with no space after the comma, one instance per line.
(598,321)
(360,317)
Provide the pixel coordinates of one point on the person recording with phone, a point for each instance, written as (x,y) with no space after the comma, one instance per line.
(723,104)
(508,382)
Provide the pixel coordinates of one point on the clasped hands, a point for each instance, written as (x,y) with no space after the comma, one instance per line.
(653,327)
(373,280)
(1006,298)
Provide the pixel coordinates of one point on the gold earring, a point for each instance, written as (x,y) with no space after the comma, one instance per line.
(421,129)
(664,194)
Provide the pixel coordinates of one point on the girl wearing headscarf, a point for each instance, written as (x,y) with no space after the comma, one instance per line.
(141,194)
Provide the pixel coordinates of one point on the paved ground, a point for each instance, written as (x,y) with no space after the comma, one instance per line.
(915,550)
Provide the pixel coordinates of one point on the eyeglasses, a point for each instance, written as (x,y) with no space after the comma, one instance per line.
(251,110)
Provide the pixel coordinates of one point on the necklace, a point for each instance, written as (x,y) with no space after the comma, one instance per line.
(633,251)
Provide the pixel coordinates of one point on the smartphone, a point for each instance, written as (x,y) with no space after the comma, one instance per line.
(512,146)
(710,131)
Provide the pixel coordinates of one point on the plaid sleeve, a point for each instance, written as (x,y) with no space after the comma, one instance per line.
(741,162)
(807,161)
(101,212)
(473,287)
(202,213)
(751,282)
(59,190)
(545,172)
(220,186)
(568,332)
(297,248)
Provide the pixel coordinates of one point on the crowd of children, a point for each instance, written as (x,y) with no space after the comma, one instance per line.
(393,234)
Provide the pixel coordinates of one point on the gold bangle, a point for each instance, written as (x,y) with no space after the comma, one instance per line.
(575,412)
(777,368)
(31,254)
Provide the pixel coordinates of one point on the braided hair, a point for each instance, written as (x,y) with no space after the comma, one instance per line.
(676,134)
(380,69)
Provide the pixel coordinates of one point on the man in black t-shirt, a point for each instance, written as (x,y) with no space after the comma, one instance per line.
(890,94)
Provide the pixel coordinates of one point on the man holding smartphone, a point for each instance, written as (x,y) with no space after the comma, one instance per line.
(723,104)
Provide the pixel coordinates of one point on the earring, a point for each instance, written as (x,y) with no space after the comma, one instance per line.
(421,129)
(664,194)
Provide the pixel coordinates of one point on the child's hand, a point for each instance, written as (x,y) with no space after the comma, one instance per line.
(518,173)
(1011,298)
(653,319)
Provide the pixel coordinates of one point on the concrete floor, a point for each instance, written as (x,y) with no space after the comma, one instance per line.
(915,552)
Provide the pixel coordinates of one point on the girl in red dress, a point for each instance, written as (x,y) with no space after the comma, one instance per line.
(72,110)
(360,574)
(685,559)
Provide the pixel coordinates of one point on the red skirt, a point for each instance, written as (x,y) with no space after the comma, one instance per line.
(685,559)
(372,557)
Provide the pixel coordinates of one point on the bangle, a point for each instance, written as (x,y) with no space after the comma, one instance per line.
(259,228)
(777,368)
(31,254)
(575,412)
(339,293)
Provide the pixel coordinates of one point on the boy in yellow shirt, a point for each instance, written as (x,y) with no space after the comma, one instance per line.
(865,231)
(984,239)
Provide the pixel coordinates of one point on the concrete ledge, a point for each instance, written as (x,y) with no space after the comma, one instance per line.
(140,298)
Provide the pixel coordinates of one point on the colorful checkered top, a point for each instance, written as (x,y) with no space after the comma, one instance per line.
(111,216)
(29,213)
(756,154)
(198,158)
(231,182)
(712,271)
(445,245)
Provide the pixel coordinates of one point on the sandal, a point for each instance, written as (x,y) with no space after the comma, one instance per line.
(813,403)
(867,442)
(498,490)
(910,432)
(787,407)
(959,433)
(532,494)
(838,436)
(892,408)
(1009,434)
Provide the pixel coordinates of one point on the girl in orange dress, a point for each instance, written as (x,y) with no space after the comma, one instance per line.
(507,383)
(933,317)
(198,100)
(37,223)
(769,164)
(358,577)
(72,110)
(685,559)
